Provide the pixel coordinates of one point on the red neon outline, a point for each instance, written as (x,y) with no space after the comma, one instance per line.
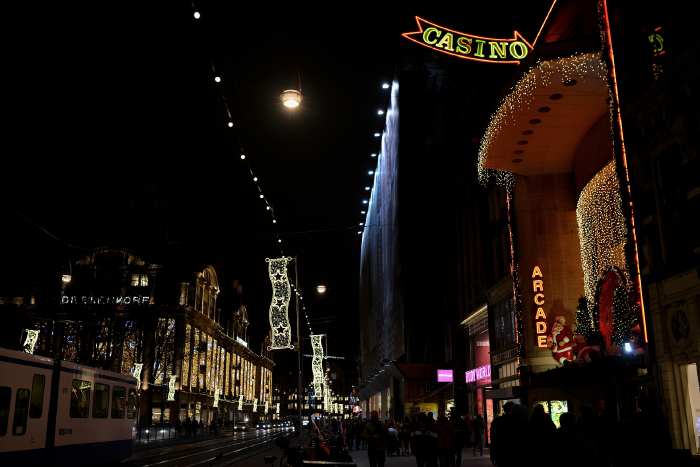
(623,154)
(516,36)
(554,2)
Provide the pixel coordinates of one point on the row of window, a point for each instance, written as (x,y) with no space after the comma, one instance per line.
(30,404)
(80,401)
(27,404)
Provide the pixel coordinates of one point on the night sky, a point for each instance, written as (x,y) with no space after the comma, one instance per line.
(115,135)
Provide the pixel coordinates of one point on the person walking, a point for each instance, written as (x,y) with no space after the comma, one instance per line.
(461,437)
(478,430)
(445,442)
(375,434)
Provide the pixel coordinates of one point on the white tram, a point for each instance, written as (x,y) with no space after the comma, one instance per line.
(61,413)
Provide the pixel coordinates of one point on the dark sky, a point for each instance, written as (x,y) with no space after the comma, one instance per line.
(115,135)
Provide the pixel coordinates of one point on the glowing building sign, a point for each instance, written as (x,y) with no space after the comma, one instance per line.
(105,300)
(240,402)
(469,46)
(538,299)
(445,376)
(477,374)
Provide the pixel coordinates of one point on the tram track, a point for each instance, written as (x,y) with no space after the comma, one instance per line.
(199,454)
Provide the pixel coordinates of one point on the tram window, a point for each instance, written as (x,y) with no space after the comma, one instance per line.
(19,423)
(5,396)
(36,403)
(100,404)
(131,408)
(80,399)
(118,402)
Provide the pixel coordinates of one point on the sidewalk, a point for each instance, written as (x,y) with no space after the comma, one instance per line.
(361,459)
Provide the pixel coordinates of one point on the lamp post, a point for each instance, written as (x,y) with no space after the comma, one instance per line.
(299,365)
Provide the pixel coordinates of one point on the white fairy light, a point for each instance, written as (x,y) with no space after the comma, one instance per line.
(30,340)
(197,15)
(370,172)
(522,95)
(230,124)
(136,373)
(171,388)
(261,196)
(373,155)
(255,179)
(377,135)
(281,291)
(217,79)
(242,156)
(602,228)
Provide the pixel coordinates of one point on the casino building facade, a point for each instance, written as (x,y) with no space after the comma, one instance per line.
(555,145)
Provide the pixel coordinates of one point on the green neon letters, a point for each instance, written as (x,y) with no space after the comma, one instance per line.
(469,46)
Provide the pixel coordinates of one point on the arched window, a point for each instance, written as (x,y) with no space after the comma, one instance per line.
(207,289)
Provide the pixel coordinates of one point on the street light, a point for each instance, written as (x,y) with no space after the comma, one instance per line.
(291,99)
(321,289)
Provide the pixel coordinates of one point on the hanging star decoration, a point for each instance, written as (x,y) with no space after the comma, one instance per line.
(317,364)
(137,371)
(281,292)
(171,388)
(30,340)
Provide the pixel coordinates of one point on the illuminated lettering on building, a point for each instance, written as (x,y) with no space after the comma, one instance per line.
(477,374)
(538,299)
(469,46)
(105,300)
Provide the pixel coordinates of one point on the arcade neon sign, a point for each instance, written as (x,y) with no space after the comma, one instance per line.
(469,46)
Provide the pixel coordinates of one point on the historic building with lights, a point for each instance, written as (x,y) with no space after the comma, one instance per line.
(164,325)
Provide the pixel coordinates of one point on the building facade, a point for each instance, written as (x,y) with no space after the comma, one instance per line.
(116,311)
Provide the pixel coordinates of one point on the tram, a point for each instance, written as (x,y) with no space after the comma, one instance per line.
(60,413)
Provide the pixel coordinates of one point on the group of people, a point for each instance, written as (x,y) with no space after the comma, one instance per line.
(191,427)
(593,436)
(432,442)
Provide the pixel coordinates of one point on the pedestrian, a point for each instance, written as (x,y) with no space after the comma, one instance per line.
(393,443)
(445,441)
(540,427)
(188,426)
(375,434)
(461,437)
(478,431)
(405,438)
(430,436)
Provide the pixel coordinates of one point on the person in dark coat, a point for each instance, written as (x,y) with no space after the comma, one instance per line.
(375,434)
(478,427)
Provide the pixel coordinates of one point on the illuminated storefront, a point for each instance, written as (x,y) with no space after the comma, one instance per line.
(555,148)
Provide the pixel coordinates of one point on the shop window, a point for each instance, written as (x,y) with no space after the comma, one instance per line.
(36,403)
(19,422)
(5,396)
(118,402)
(80,399)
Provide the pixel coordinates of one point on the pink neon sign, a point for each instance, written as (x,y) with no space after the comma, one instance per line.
(477,374)
(444,376)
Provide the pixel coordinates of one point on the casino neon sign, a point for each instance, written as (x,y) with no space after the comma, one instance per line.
(469,46)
